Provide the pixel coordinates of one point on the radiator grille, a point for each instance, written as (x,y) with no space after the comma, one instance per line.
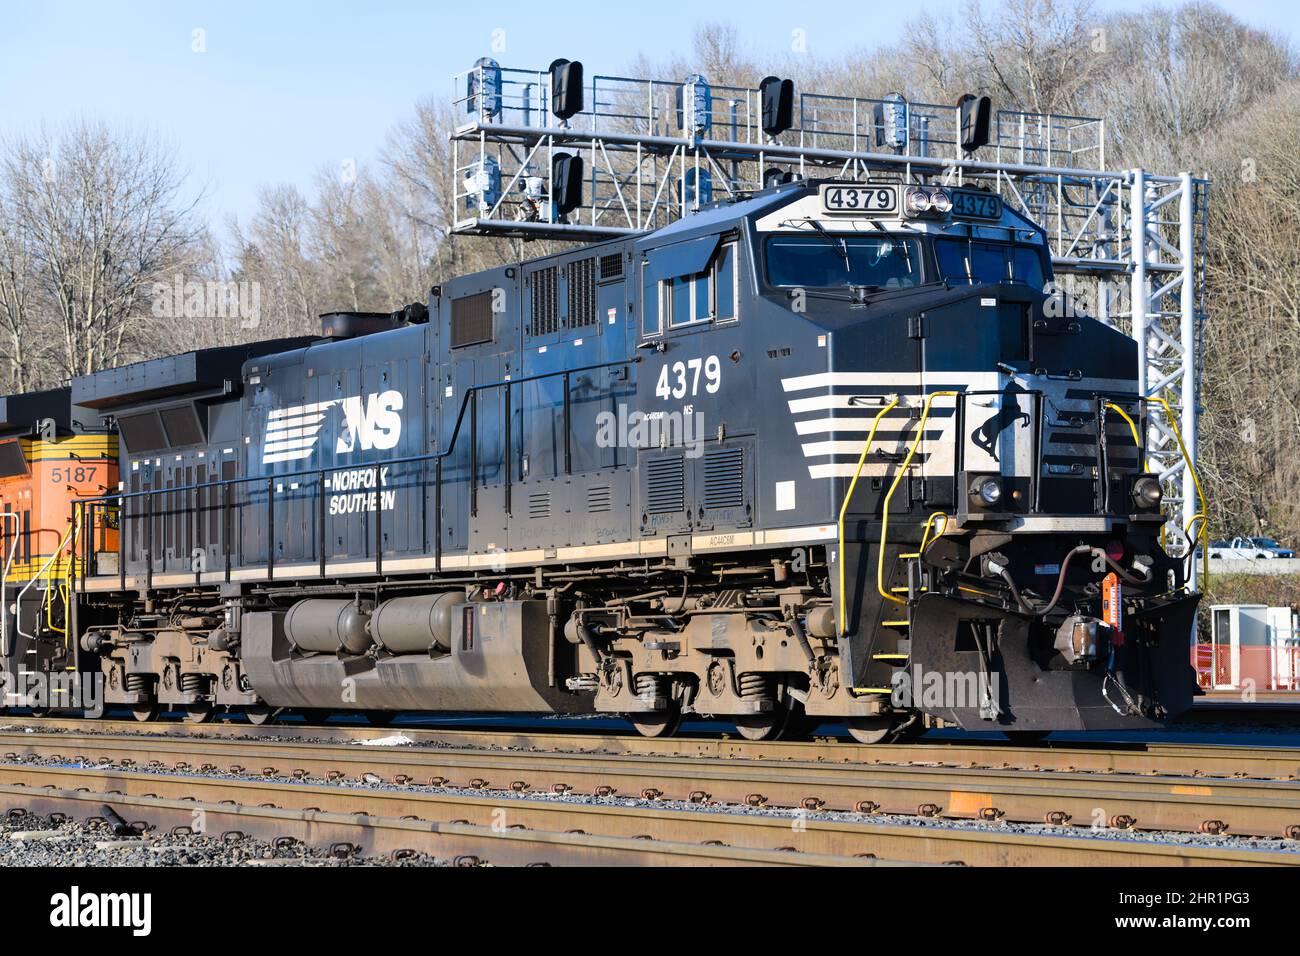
(545,315)
(665,486)
(582,293)
(471,319)
(611,266)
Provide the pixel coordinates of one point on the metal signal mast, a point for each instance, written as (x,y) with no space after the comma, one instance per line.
(551,154)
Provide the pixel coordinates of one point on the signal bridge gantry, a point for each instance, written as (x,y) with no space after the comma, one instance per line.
(552,154)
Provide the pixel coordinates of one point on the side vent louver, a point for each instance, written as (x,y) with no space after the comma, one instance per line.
(539,504)
(724,478)
(665,486)
(599,499)
(545,287)
(582,293)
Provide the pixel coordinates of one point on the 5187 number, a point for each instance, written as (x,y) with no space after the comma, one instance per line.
(72,474)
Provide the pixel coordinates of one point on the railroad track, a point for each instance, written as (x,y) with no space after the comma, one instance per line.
(1267,808)
(1195,760)
(514,830)
(697,800)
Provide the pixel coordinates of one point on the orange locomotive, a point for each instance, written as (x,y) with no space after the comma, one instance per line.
(49,456)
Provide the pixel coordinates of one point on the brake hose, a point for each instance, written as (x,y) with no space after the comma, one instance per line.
(1131,579)
(1060,579)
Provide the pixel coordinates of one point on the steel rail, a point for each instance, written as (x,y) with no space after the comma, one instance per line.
(178,797)
(1269,808)
(465,844)
(1198,760)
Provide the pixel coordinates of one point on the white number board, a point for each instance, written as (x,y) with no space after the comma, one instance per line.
(856,199)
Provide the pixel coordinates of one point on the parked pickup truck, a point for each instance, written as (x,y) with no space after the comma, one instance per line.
(1268,544)
(1242,549)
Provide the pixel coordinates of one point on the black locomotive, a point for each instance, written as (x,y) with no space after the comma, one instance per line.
(784,460)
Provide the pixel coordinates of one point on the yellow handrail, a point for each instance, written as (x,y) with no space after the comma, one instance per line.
(848,497)
(929,523)
(1131,426)
(62,584)
(1137,444)
(47,601)
(884,517)
(1201,515)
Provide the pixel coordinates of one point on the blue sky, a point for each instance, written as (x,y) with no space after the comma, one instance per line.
(287,87)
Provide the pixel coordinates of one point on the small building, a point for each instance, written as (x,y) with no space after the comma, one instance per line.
(1250,643)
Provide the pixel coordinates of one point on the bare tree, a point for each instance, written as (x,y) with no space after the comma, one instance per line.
(1175,77)
(105,219)
(274,252)
(18,305)
(1251,425)
(418,159)
(1033,55)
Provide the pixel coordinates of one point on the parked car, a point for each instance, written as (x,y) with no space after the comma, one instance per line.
(1239,549)
(1268,544)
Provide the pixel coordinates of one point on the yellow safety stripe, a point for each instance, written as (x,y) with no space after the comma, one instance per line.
(80,447)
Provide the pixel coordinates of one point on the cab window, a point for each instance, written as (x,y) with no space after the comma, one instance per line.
(838,260)
(708,296)
(964,262)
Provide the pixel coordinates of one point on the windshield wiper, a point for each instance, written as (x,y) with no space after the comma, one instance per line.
(837,243)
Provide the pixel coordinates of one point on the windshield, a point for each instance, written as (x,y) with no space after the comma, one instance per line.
(964,262)
(827,259)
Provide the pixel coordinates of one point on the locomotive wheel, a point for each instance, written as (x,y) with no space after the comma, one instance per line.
(259,714)
(145,712)
(870,730)
(199,713)
(773,725)
(658,723)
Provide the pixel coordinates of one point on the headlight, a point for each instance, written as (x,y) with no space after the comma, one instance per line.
(1147,492)
(919,201)
(916,201)
(986,491)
